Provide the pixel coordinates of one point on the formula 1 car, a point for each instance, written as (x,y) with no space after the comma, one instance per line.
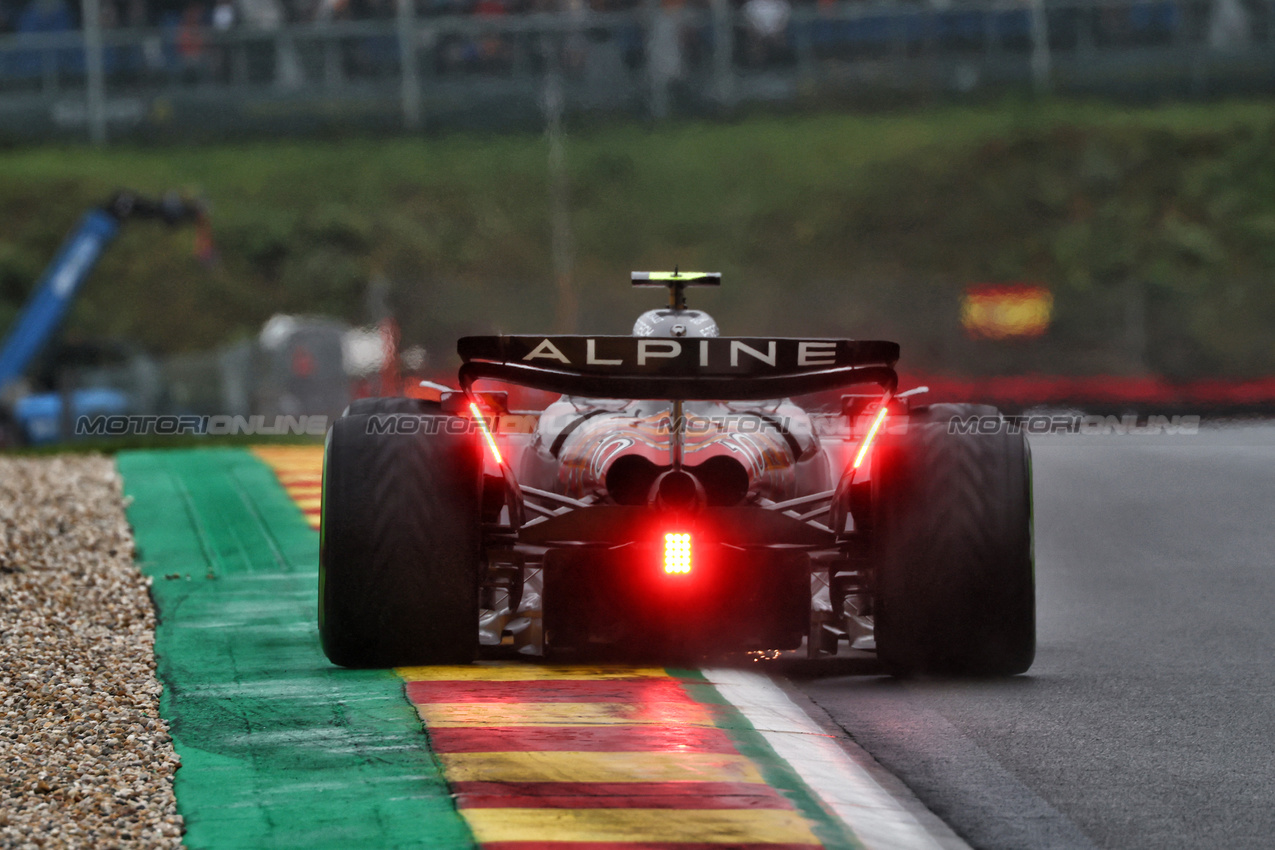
(674,498)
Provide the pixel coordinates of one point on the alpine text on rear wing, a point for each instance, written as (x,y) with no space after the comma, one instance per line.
(660,367)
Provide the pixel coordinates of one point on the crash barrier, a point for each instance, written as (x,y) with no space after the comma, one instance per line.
(416,70)
(1105,393)
(234,390)
(291,381)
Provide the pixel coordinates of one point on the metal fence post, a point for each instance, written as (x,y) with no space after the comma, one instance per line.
(95,84)
(562,238)
(803,37)
(661,59)
(1041,60)
(723,52)
(410,87)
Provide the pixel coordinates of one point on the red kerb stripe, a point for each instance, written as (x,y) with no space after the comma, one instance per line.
(581,739)
(638,845)
(617,795)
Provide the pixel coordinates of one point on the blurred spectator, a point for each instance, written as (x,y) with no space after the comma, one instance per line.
(283,63)
(664,52)
(376,54)
(223,20)
(1229,27)
(264,15)
(332,10)
(494,52)
(767,22)
(45,16)
(574,47)
(192,51)
(224,16)
(136,13)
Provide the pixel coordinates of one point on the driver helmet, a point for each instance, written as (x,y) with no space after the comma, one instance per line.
(675,323)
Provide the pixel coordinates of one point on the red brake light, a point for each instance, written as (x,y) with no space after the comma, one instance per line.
(871,435)
(677,553)
(482,424)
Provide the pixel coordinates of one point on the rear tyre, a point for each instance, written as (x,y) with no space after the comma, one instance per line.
(392,404)
(955,584)
(399,547)
(945,412)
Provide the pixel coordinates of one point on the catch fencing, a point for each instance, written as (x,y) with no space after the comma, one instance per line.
(414,71)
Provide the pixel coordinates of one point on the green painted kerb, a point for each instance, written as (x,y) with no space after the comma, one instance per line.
(278,747)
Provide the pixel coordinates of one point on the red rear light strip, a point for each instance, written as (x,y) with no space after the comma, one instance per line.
(872,434)
(491,441)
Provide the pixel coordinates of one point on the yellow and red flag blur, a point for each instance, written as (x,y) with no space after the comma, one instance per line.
(999,311)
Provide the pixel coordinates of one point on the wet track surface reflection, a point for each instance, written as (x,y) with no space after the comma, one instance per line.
(1147,718)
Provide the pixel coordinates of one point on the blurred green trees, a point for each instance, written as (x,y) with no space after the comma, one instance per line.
(1155,228)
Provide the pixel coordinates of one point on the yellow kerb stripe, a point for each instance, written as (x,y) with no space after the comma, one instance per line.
(717,826)
(450,714)
(524,673)
(304,459)
(297,463)
(294,461)
(552,766)
(288,451)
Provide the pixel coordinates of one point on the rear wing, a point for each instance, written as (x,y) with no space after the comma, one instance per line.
(676,282)
(719,368)
(676,278)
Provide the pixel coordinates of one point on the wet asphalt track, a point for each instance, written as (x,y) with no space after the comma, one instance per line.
(1148,720)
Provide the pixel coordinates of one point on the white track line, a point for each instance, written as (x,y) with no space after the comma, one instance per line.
(874,815)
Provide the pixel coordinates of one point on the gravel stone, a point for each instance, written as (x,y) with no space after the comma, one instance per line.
(85,758)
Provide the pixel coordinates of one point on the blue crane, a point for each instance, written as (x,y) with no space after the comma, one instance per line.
(44,311)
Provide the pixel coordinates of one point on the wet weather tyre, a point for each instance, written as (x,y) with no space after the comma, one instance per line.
(393,404)
(945,412)
(399,546)
(955,583)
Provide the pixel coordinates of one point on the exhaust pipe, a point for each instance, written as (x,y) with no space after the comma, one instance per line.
(718,482)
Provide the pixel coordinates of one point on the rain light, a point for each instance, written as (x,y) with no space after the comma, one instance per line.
(677,553)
